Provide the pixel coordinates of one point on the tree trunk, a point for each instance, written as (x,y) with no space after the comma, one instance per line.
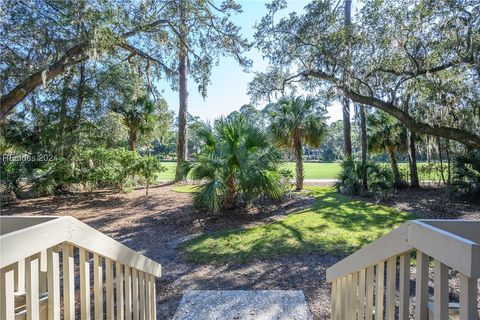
(440,158)
(449,162)
(298,164)
(182,92)
(394,165)
(77,116)
(363,136)
(63,113)
(182,116)
(132,138)
(412,152)
(231,192)
(412,160)
(347,131)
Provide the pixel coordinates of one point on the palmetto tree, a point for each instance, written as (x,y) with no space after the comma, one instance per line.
(138,116)
(237,160)
(295,122)
(386,135)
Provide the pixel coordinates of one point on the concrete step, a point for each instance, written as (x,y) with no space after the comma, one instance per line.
(243,304)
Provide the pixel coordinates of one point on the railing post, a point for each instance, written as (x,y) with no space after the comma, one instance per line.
(440,282)
(421,289)
(468,298)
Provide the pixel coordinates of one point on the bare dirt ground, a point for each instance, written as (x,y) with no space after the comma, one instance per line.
(156,225)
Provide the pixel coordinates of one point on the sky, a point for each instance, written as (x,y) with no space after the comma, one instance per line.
(228,88)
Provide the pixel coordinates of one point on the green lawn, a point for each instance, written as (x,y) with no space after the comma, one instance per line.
(335,224)
(312,170)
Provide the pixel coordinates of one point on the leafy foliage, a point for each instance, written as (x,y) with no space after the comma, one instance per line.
(466,176)
(237,162)
(296,122)
(380,180)
(96,168)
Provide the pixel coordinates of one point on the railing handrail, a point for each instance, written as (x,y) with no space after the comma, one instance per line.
(451,249)
(25,242)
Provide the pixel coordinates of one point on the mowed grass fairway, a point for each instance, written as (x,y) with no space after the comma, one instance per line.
(312,170)
(335,225)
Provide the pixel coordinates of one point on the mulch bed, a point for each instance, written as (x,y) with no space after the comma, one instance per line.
(156,225)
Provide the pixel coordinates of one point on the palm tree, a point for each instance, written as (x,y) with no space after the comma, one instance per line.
(386,135)
(138,116)
(237,160)
(296,122)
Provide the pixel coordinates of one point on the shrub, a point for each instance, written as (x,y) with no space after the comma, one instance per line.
(237,162)
(466,176)
(148,168)
(380,180)
(95,168)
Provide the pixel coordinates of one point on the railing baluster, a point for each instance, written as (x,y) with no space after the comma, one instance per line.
(468,298)
(404,301)
(53,278)
(141,280)
(109,288)
(119,290)
(20,276)
(84,284)
(380,275)
(391,292)
(135,294)
(128,293)
(7,293)
(369,292)
(68,282)
(338,305)
(333,299)
(347,300)
(421,289)
(440,303)
(153,297)
(98,285)
(361,294)
(354,296)
(343,285)
(32,288)
(147,297)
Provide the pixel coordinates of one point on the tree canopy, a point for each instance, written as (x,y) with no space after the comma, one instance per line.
(397,51)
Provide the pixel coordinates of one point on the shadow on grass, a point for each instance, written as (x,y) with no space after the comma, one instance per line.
(334,224)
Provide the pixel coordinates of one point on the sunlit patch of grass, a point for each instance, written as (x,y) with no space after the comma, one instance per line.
(334,224)
(185,188)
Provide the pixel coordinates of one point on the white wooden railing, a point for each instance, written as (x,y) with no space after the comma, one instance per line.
(52,267)
(374,282)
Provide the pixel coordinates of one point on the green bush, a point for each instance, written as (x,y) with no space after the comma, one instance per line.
(466,176)
(11,174)
(237,163)
(95,168)
(380,179)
